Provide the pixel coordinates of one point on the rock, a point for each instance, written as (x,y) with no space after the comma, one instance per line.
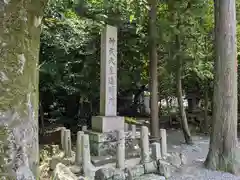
(150,167)
(61,159)
(62,172)
(165,168)
(81,178)
(104,174)
(183,159)
(137,171)
(161,178)
(75,169)
(110,174)
(119,175)
(174,159)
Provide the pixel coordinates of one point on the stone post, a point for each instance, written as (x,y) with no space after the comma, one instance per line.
(62,137)
(67,143)
(133,129)
(84,128)
(120,149)
(156,151)
(108,88)
(145,153)
(107,122)
(163,136)
(79,148)
(86,154)
(126,127)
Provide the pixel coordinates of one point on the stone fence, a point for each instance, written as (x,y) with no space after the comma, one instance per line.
(152,156)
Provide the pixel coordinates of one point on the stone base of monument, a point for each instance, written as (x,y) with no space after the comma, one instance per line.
(103,136)
(104,144)
(107,123)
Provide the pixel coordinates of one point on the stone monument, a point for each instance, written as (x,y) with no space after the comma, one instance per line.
(105,125)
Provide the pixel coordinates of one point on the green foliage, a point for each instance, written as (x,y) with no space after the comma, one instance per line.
(186,37)
(70,48)
(130,120)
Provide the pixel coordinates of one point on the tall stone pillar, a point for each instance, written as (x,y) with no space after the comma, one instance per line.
(104,127)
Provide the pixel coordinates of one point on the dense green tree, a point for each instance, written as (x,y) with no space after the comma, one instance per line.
(185,57)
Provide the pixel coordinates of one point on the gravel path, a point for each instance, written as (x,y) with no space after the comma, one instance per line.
(196,154)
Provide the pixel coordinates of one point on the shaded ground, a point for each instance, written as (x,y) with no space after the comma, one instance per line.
(196,154)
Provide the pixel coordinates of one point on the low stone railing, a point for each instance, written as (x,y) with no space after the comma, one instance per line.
(155,161)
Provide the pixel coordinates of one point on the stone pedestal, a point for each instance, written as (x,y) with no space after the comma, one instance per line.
(103,136)
(105,144)
(107,123)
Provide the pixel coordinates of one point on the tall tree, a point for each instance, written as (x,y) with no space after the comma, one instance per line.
(178,53)
(153,68)
(184,122)
(223,143)
(19,49)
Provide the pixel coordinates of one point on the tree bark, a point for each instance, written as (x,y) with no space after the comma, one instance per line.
(168,111)
(153,68)
(41,111)
(223,143)
(19,48)
(206,128)
(184,123)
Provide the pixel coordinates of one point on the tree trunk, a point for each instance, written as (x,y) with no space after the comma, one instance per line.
(206,128)
(153,68)
(41,111)
(223,142)
(19,49)
(184,122)
(168,111)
